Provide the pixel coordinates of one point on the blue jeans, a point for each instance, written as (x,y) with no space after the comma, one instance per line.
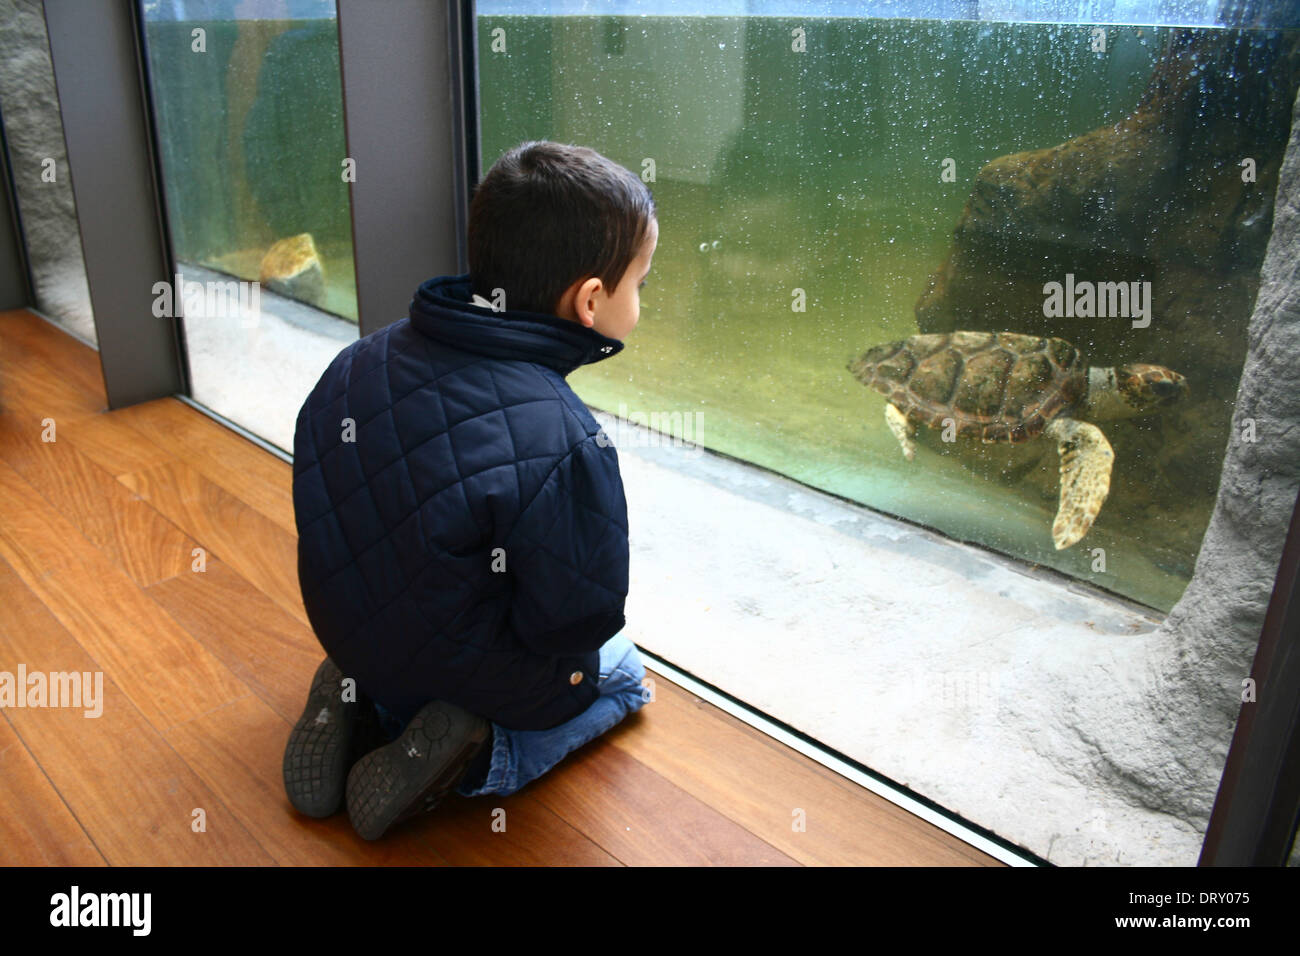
(521,756)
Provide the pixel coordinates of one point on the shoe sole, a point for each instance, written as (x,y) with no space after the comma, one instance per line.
(412,774)
(322,746)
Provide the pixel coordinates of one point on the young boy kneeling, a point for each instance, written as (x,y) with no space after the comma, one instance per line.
(462,547)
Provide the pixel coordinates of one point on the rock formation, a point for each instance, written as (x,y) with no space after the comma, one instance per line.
(1178,194)
(293,268)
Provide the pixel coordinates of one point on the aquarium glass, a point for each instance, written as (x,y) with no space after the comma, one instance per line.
(248,109)
(834,176)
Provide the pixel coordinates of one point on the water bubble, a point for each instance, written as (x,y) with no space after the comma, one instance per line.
(716,243)
(704,247)
(722,46)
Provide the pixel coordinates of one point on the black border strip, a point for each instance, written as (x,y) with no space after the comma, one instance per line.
(17,266)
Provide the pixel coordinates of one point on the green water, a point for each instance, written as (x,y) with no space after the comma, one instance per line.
(821,171)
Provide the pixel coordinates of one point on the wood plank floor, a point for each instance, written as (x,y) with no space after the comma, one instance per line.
(204,674)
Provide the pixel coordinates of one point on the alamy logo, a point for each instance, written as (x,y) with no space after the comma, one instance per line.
(654,430)
(1086,300)
(232,299)
(55,689)
(102,909)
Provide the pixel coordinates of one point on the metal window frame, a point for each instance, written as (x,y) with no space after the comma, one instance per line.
(108,131)
(401,100)
(462,40)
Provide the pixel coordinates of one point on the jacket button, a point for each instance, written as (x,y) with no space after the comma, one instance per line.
(575,677)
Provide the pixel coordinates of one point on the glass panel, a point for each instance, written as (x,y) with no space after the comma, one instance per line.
(33,126)
(248,105)
(1110,170)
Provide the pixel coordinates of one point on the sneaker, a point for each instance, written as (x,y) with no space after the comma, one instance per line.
(328,738)
(412,774)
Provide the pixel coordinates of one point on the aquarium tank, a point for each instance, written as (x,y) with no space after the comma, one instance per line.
(834,179)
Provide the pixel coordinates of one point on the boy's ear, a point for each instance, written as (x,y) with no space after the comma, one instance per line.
(578,303)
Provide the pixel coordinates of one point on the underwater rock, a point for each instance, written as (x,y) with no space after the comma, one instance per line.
(1159,197)
(293,268)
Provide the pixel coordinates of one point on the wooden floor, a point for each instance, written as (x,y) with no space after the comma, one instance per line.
(205,673)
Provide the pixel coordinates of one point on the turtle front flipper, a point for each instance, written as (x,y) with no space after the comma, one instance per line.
(903,430)
(1086,459)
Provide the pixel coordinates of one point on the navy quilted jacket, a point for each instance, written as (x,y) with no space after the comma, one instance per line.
(462,530)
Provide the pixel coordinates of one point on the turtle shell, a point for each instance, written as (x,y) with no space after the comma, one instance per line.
(995,386)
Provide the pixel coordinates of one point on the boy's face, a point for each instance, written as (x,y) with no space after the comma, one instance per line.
(591,303)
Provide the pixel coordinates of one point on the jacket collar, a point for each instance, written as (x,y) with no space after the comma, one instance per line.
(443,311)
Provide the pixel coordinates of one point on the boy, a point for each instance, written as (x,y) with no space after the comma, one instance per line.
(462,528)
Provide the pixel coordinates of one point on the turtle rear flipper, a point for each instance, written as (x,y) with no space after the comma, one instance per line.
(1086,459)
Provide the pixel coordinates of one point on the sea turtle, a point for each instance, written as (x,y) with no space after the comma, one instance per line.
(1006,387)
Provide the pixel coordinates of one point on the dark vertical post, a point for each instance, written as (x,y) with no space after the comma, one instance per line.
(398,117)
(15,281)
(463,43)
(98,72)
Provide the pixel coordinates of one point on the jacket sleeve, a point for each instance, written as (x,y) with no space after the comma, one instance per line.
(567,556)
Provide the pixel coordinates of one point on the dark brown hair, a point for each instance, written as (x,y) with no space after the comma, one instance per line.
(547,215)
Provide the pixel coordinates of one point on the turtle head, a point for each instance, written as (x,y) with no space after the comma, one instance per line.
(1132,390)
(1148,389)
